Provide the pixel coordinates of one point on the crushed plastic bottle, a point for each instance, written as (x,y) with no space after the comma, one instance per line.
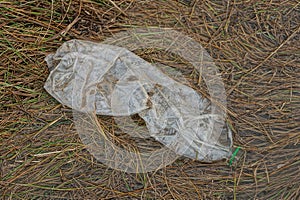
(110,80)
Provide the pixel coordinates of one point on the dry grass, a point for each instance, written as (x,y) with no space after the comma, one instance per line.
(256,47)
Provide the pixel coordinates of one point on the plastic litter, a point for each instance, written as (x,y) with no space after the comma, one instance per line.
(110,80)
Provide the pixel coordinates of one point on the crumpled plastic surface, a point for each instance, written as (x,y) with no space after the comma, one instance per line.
(110,80)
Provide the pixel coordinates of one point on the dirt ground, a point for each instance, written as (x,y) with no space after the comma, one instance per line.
(255,45)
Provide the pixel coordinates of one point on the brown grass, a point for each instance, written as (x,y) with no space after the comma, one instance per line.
(255,44)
